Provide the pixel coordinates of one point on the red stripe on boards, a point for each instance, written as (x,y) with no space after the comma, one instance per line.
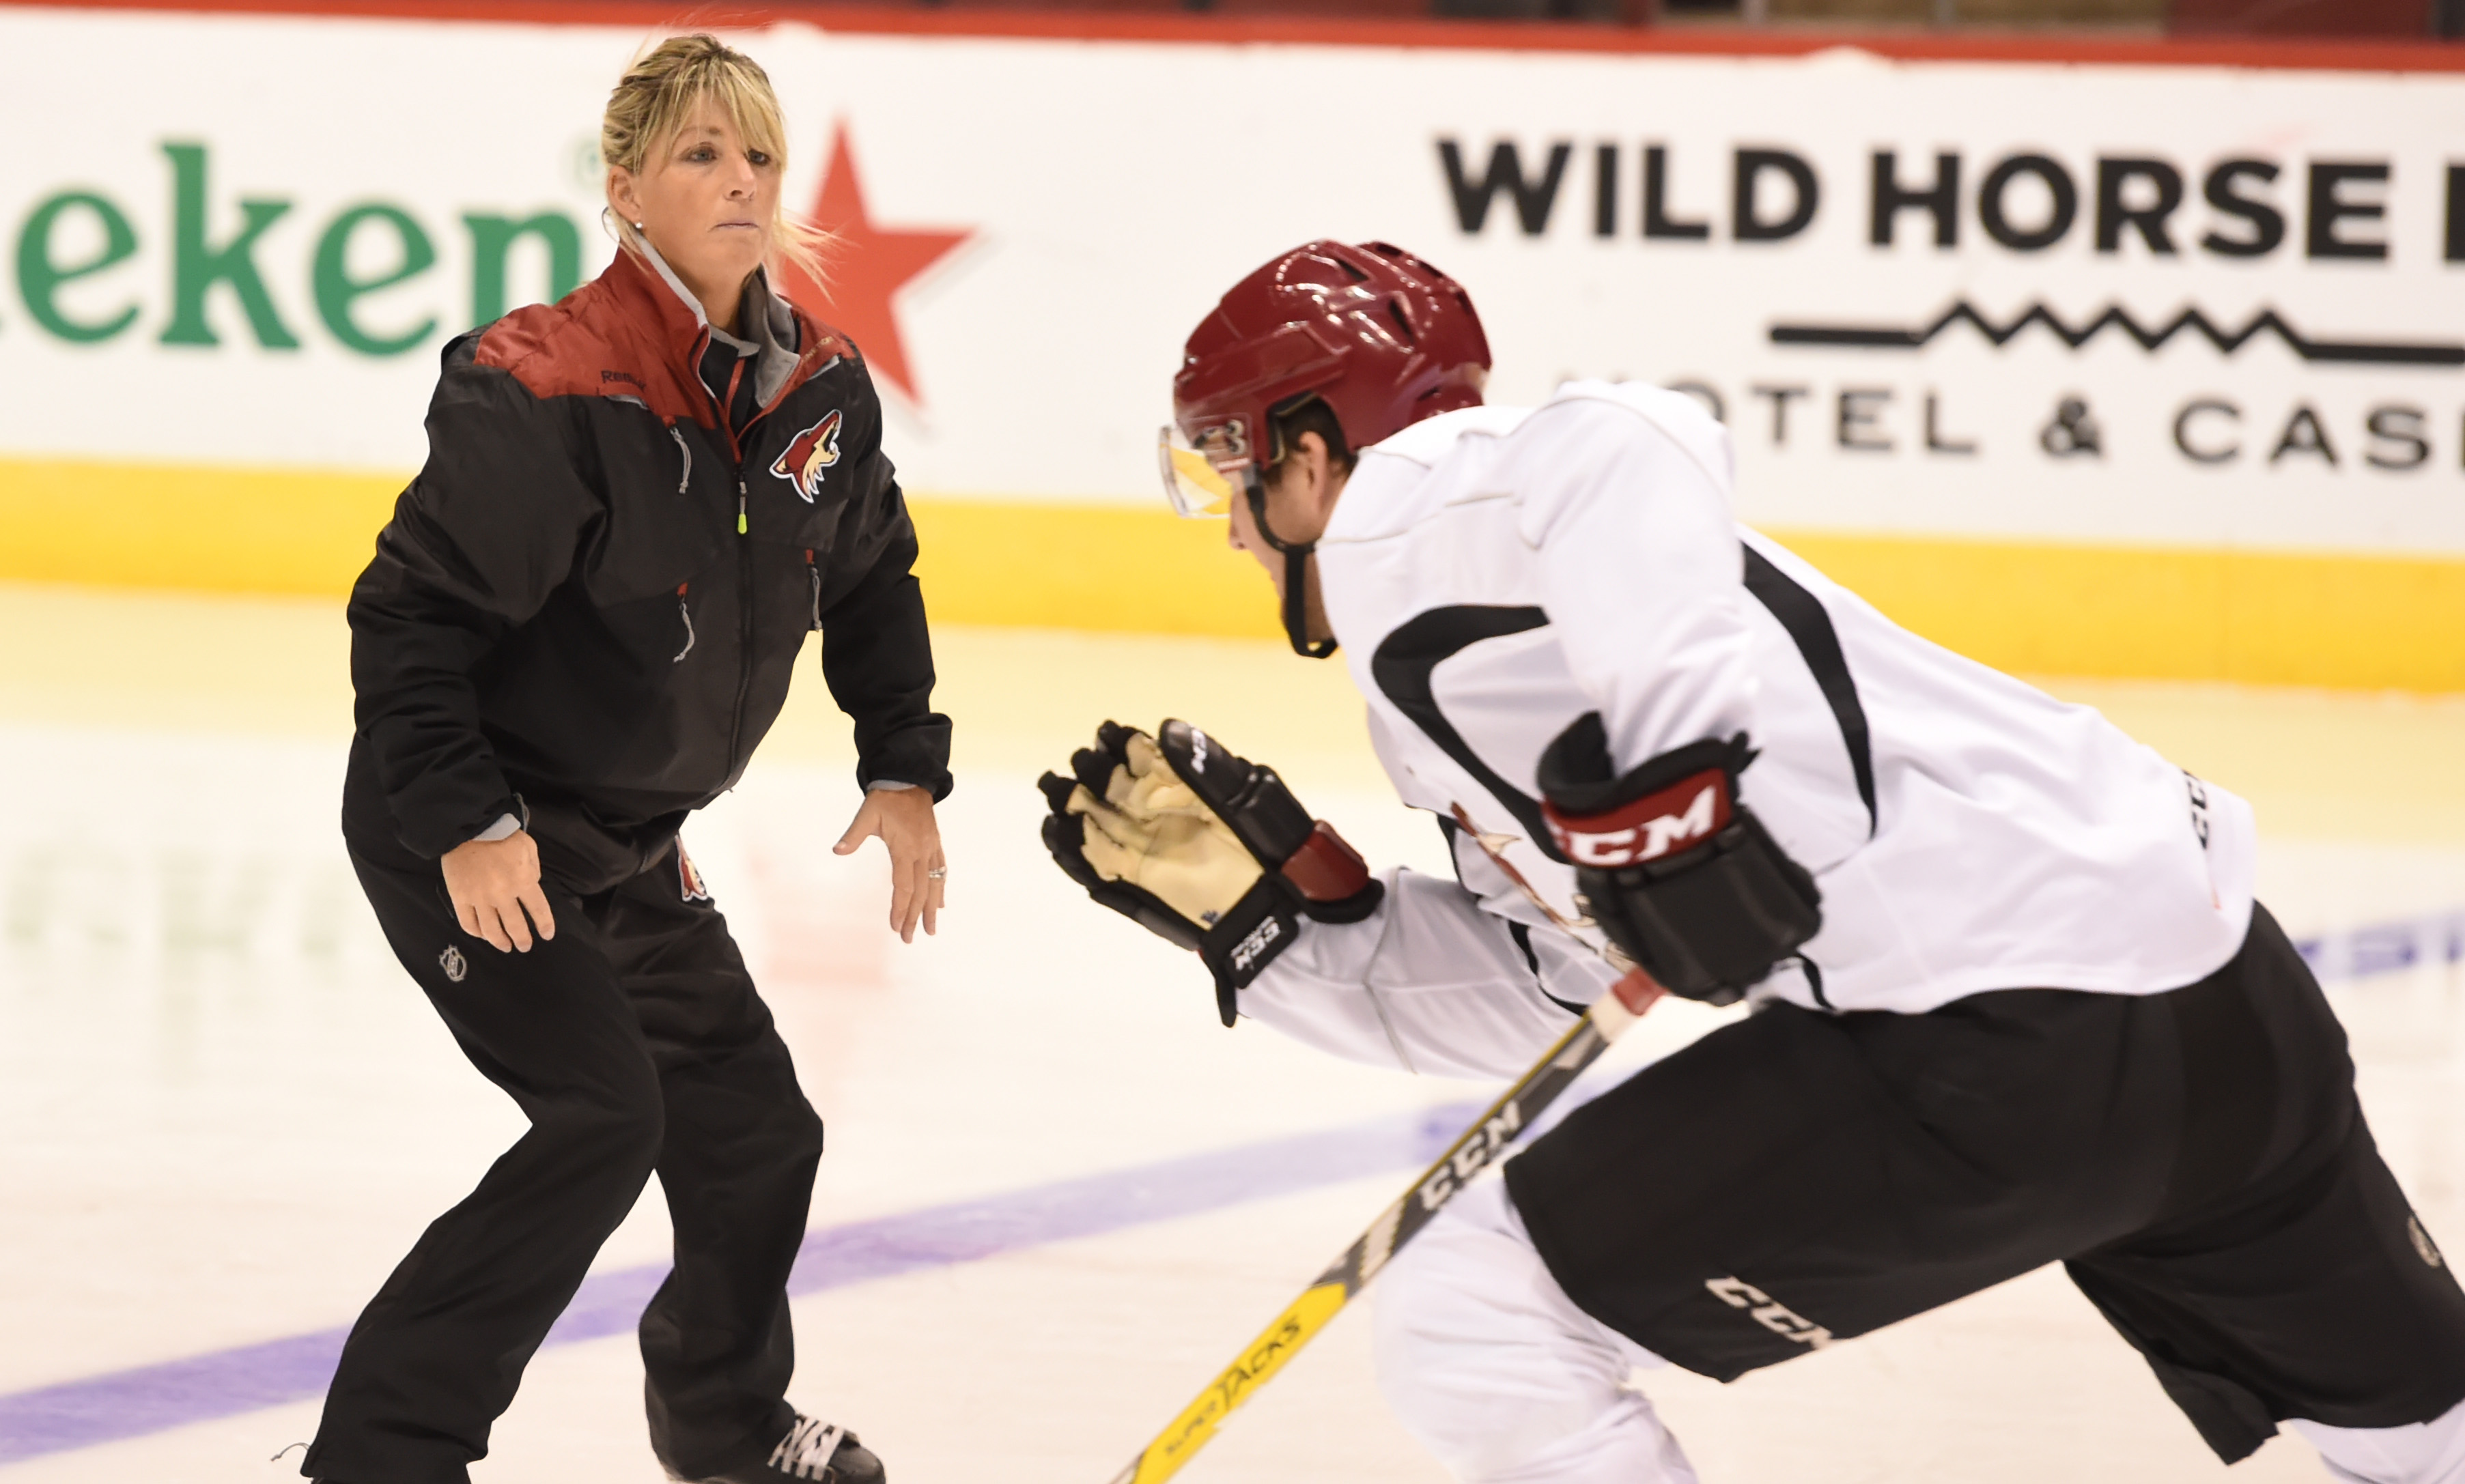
(2265,52)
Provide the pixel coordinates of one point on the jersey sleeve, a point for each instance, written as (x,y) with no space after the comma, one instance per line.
(1429,982)
(1625,499)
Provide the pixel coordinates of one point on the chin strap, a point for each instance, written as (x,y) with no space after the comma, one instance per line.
(1296,555)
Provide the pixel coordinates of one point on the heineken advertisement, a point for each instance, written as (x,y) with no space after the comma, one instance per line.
(2127,365)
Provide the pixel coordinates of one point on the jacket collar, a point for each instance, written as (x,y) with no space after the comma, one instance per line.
(787,344)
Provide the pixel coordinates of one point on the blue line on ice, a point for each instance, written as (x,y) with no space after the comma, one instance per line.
(148,1399)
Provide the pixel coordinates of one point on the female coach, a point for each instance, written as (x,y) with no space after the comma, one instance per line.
(577,627)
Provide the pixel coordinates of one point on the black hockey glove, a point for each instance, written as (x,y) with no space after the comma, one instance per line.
(1200,847)
(1680,875)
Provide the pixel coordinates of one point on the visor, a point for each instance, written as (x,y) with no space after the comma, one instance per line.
(1197,489)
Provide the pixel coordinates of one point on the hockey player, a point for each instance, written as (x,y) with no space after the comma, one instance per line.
(2014,1002)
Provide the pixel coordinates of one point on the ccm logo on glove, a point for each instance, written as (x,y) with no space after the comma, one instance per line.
(1671,819)
(1247,952)
(1678,872)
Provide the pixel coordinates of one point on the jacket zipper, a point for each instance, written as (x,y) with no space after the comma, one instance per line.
(686,613)
(814,573)
(745,634)
(744,549)
(734,377)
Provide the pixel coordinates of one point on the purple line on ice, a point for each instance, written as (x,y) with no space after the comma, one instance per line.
(151,1399)
(2386,947)
(148,1399)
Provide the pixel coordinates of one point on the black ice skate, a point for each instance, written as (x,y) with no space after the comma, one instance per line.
(812,1449)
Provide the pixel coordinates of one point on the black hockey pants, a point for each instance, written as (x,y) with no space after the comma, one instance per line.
(2196,1159)
(633,1042)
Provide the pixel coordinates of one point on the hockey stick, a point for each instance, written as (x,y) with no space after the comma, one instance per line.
(1609,1017)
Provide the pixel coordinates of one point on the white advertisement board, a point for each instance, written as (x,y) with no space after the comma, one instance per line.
(2150,304)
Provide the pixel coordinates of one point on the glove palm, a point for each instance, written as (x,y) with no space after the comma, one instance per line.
(1151,832)
(1200,847)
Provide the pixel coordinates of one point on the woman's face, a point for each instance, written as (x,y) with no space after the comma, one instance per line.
(706,202)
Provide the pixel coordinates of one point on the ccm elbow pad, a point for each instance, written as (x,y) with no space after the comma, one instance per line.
(1681,876)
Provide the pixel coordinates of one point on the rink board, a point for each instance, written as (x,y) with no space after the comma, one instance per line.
(2163,337)
(2260,617)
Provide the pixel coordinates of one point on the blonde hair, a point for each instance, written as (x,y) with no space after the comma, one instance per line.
(659,92)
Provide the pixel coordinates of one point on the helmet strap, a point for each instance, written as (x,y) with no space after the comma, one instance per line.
(1296,555)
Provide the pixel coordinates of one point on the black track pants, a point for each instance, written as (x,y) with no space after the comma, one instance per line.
(633,1042)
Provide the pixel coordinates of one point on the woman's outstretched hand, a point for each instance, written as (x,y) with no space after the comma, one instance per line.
(493,884)
(903,819)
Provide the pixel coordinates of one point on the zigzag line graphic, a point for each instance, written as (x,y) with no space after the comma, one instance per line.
(1885,338)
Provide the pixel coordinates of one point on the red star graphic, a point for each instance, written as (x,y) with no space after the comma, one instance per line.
(868,266)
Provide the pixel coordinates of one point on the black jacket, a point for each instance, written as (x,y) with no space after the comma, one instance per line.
(592,594)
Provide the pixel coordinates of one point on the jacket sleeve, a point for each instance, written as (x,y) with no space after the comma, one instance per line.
(877,660)
(1434,981)
(477,542)
(1626,500)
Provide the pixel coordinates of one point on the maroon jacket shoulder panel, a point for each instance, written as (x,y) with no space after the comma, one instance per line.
(610,338)
(624,334)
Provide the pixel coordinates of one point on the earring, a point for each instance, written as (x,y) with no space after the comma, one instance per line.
(637,226)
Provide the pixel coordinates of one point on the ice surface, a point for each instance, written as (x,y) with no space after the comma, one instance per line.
(229,1112)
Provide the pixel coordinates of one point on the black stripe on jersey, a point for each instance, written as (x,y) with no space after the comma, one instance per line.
(1518,931)
(1407,657)
(1403,664)
(1523,937)
(1814,982)
(1801,612)
(1521,934)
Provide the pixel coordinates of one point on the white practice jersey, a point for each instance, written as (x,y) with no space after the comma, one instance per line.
(1494,573)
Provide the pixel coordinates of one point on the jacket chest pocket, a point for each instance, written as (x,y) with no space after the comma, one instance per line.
(806,538)
(667,519)
(685,460)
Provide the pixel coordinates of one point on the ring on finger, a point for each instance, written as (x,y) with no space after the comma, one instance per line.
(937,872)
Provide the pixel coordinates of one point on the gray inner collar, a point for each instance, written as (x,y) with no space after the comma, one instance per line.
(773,342)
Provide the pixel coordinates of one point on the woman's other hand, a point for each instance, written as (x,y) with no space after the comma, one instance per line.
(494,883)
(903,819)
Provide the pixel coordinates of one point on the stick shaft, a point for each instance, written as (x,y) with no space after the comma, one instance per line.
(1473,1150)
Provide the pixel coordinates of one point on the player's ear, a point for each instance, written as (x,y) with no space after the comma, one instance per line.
(1311,465)
(1310,452)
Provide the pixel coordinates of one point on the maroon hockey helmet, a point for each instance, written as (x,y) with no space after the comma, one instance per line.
(1380,336)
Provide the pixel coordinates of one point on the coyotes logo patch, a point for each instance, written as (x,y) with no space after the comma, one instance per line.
(689,882)
(808,453)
